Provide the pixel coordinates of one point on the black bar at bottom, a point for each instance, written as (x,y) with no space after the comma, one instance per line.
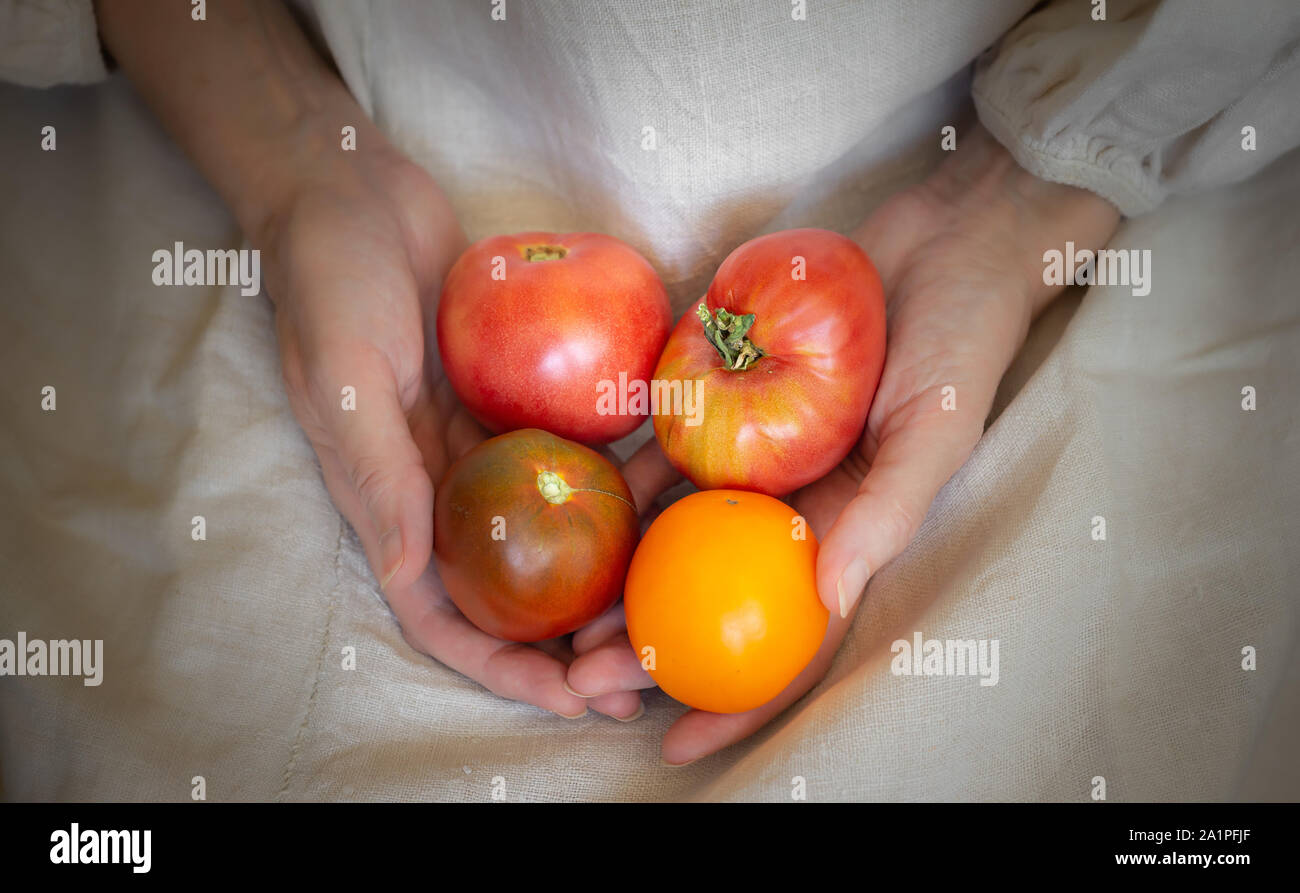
(641,842)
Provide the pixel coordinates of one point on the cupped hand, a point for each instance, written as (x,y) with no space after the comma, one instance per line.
(355,262)
(960,256)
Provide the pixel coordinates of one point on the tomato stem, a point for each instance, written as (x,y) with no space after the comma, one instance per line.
(553,488)
(533,253)
(726,331)
(556,491)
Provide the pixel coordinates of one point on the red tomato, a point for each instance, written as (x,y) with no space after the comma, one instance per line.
(787,363)
(532,535)
(531,325)
(723,589)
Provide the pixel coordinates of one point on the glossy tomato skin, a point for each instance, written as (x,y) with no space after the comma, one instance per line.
(725,592)
(797,411)
(531,349)
(543,569)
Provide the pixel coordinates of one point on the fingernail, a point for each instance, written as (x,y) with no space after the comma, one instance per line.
(853,580)
(676,765)
(576,694)
(640,712)
(391,554)
(574,716)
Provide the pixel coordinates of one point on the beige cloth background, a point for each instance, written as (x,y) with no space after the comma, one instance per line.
(223,658)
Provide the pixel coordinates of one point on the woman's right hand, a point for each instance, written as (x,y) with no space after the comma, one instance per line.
(355,259)
(355,245)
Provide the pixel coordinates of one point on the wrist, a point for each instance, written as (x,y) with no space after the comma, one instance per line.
(1024,215)
(1054,215)
(309,157)
(249,99)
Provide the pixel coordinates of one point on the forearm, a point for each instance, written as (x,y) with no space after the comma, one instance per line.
(243,93)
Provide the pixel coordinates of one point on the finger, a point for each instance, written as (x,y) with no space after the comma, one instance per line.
(625,706)
(600,630)
(386,470)
(907,472)
(512,670)
(460,431)
(699,733)
(464,433)
(348,501)
(558,648)
(432,626)
(648,474)
(344,495)
(612,666)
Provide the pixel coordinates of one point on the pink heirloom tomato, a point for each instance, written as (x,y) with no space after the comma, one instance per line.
(787,349)
(530,325)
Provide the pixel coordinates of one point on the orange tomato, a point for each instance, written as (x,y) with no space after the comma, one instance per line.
(723,588)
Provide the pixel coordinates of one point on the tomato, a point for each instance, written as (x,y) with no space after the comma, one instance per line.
(724,589)
(787,366)
(531,327)
(533,535)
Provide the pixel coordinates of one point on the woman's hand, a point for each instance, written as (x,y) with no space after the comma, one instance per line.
(355,260)
(960,256)
(356,242)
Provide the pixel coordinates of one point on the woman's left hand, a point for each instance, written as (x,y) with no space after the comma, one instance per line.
(960,256)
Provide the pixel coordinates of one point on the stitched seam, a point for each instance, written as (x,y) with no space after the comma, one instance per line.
(320,663)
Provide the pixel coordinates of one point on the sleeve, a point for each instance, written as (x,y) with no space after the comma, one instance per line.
(1158,98)
(49,42)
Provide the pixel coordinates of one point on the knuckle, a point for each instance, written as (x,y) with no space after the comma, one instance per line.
(369,477)
(900,523)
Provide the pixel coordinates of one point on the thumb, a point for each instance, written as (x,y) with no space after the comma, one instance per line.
(385,469)
(910,467)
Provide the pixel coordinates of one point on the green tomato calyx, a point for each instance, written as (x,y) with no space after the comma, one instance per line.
(726,331)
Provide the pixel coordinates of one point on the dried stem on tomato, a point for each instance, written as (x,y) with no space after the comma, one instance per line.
(726,331)
(556,491)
